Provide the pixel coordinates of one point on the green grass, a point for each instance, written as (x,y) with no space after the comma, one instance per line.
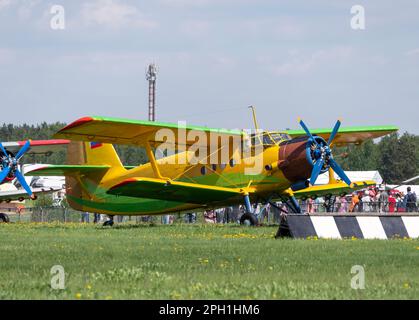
(198,262)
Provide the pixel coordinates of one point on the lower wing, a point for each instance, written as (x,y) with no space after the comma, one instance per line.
(338,188)
(173,190)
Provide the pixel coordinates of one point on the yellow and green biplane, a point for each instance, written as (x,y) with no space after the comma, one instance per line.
(202,167)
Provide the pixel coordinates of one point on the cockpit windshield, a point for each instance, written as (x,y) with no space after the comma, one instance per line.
(269,138)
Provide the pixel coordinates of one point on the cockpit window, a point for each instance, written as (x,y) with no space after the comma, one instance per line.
(269,138)
(278,137)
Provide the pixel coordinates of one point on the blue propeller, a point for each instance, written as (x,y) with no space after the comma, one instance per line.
(10,166)
(321,154)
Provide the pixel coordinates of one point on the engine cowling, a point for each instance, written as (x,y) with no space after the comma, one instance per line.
(297,157)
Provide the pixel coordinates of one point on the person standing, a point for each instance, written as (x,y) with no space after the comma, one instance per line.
(383,201)
(85,217)
(391,203)
(190,217)
(219,215)
(354,204)
(366,199)
(411,200)
(96,217)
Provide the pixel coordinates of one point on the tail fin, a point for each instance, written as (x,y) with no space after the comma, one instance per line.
(90,154)
(93,153)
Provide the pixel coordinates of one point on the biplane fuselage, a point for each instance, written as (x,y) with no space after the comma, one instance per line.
(231,175)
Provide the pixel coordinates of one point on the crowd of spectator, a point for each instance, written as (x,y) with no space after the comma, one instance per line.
(370,200)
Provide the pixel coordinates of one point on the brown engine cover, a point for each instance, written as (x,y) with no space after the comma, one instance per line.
(293,159)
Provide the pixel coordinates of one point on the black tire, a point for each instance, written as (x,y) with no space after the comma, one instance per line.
(4,218)
(248,219)
(108,223)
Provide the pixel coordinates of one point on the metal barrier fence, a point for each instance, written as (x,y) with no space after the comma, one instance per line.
(267,214)
(61,214)
(360,207)
(44,214)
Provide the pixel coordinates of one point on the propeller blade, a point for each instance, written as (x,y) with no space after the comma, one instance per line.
(334,131)
(339,171)
(4,173)
(303,125)
(3,149)
(22,150)
(316,170)
(23,182)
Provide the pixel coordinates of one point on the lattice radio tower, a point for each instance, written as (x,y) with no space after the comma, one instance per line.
(151,77)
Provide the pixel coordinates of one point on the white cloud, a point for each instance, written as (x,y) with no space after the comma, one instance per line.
(183,3)
(283,27)
(5,3)
(201,3)
(413,52)
(114,14)
(26,8)
(195,28)
(6,56)
(297,63)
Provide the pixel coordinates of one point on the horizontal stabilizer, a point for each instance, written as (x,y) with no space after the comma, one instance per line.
(173,190)
(66,170)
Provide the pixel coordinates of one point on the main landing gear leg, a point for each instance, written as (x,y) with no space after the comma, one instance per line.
(292,204)
(108,222)
(293,207)
(248,218)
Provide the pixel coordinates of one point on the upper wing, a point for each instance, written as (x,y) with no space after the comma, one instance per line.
(137,132)
(173,190)
(338,188)
(37,146)
(348,135)
(20,195)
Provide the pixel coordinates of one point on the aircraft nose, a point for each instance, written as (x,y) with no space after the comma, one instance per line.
(295,159)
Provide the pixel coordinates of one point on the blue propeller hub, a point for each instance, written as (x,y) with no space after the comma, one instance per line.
(319,154)
(10,166)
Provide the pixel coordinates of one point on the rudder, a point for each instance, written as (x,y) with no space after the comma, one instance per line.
(89,153)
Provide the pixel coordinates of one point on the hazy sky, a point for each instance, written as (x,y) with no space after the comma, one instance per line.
(288,58)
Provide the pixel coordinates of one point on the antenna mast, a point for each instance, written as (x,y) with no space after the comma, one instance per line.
(151,77)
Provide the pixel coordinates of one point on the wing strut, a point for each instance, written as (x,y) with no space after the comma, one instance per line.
(153,162)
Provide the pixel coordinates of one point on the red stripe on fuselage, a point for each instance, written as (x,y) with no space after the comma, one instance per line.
(123,183)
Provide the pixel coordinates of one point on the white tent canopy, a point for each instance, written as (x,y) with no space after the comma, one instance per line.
(403,188)
(353,176)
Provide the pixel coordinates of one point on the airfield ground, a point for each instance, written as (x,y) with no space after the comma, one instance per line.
(198,262)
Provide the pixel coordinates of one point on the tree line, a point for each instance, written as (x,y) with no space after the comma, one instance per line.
(395,156)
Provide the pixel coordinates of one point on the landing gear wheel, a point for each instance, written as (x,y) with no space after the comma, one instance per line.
(108,223)
(4,218)
(248,219)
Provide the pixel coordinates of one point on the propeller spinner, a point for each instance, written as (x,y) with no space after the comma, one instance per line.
(321,154)
(10,166)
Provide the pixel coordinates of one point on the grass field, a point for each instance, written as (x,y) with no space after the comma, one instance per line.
(198,262)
